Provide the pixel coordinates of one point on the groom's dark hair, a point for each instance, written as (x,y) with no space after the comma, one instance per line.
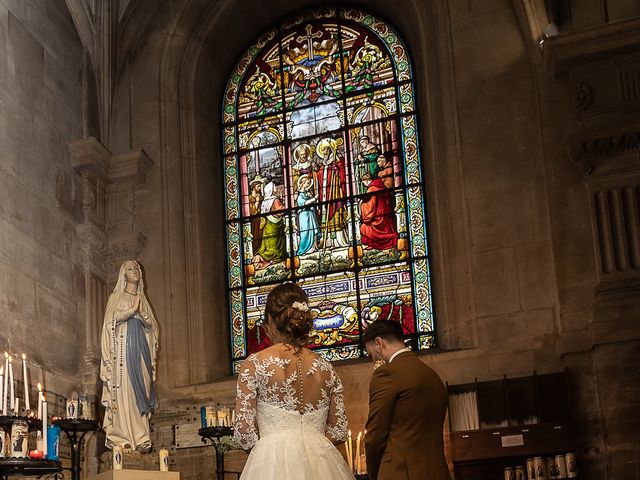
(386,329)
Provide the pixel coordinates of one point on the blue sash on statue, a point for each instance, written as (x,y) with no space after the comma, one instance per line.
(138,350)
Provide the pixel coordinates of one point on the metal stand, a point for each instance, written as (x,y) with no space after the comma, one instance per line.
(27,467)
(215,434)
(72,427)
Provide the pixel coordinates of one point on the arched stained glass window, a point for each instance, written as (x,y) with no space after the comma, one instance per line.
(323,182)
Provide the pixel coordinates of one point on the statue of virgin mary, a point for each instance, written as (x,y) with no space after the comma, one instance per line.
(128,366)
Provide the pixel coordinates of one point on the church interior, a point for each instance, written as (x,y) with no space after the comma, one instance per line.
(115,125)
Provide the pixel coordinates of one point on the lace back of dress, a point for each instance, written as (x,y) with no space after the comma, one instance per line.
(301,383)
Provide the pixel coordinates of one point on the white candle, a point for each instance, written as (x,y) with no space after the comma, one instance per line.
(346,449)
(358,452)
(16,407)
(164,459)
(13,396)
(44,427)
(363,456)
(40,401)
(6,383)
(350,452)
(25,380)
(1,388)
(220,418)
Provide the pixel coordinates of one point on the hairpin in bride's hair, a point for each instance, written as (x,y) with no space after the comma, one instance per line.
(303,307)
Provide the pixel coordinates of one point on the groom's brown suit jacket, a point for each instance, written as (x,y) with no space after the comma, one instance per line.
(407,407)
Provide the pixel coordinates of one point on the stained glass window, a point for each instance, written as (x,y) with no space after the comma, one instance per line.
(324,184)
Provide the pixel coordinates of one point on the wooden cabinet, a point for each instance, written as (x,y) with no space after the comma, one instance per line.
(519,418)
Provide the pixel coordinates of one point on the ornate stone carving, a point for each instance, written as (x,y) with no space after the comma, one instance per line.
(610,159)
(127,248)
(582,95)
(95,249)
(89,196)
(614,152)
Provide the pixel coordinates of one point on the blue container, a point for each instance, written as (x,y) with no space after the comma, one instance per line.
(203,416)
(53,442)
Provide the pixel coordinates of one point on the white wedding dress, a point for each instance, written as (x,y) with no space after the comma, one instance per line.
(290,408)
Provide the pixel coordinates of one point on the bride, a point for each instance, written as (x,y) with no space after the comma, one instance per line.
(290,407)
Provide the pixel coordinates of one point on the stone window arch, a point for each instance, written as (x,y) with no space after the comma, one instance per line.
(324,183)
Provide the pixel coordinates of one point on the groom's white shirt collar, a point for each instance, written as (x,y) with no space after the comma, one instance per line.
(402,350)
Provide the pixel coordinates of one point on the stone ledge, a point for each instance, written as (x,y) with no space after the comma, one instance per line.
(134,165)
(574,342)
(563,52)
(90,154)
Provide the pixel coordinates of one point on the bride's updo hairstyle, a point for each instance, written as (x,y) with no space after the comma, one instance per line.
(288,307)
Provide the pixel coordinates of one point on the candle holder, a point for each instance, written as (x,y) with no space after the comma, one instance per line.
(214,434)
(8,420)
(25,466)
(75,429)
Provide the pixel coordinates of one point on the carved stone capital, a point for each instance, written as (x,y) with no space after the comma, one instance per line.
(95,249)
(124,247)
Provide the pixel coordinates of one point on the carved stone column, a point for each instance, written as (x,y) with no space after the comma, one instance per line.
(603,65)
(611,162)
(108,232)
(91,160)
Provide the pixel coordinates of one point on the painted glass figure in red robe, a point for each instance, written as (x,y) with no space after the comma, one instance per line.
(378,228)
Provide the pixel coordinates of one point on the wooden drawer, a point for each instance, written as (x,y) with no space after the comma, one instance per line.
(525,440)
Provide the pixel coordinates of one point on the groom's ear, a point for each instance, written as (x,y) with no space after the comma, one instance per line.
(379,342)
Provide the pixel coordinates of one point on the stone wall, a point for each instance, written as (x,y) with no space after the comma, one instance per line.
(41,290)
(42,254)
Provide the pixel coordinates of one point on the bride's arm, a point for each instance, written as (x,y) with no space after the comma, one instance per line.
(245,428)
(337,425)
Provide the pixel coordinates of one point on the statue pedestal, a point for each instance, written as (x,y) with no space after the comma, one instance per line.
(138,475)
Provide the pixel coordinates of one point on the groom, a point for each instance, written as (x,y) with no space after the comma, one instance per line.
(407,406)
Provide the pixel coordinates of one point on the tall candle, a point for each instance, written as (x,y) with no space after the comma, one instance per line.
(13,396)
(363,455)
(346,450)
(16,407)
(25,380)
(358,452)
(44,427)
(6,383)
(39,401)
(1,387)
(350,452)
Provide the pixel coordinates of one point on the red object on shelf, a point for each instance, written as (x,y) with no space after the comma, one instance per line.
(36,454)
